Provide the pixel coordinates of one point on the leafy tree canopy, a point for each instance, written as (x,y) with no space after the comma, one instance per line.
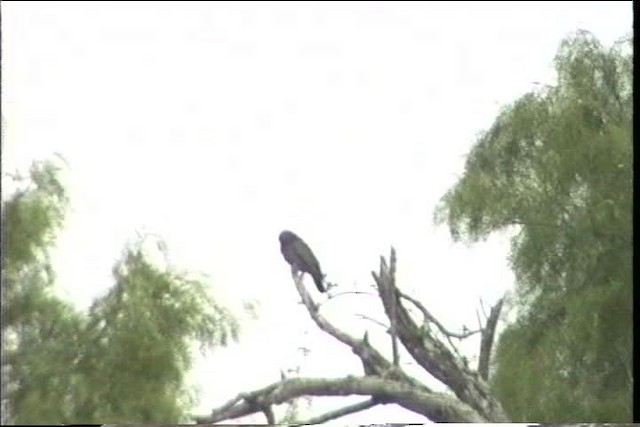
(126,359)
(556,167)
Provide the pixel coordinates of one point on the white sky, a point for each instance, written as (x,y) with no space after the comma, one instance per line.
(216,125)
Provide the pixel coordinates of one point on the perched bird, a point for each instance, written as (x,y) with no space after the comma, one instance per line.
(296,252)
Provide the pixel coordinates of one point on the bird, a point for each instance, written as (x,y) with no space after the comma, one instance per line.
(298,254)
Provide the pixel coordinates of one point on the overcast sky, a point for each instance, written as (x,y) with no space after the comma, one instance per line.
(216,125)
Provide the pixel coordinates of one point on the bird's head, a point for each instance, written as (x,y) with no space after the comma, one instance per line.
(287,237)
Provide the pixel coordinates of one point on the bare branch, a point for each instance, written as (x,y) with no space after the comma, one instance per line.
(435,357)
(437,407)
(486,342)
(384,382)
(372,360)
(333,297)
(409,332)
(377,322)
(479,320)
(429,317)
(336,295)
(393,317)
(438,324)
(484,312)
(267,410)
(320,320)
(250,403)
(347,410)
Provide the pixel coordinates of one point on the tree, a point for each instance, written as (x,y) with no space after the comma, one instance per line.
(30,219)
(123,361)
(33,319)
(425,340)
(555,168)
(139,335)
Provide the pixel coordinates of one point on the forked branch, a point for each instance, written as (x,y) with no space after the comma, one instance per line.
(384,381)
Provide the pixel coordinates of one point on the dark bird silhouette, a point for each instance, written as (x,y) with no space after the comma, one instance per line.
(298,254)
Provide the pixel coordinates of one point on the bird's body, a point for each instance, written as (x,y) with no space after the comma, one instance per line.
(298,254)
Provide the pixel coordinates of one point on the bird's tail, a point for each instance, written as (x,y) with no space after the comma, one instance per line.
(319,279)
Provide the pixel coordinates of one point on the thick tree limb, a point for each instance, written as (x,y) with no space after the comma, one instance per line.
(269,415)
(433,355)
(437,407)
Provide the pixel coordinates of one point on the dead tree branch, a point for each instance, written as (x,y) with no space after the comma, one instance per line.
(377,322)
(433,355)
(392,313)
(384,381)
(338,413)
(486,342)
(437,407)
(430,318)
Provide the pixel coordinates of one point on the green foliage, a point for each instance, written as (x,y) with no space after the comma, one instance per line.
(556,166)
(33,215)
(43,382)
(139,337)
(570,365)
(125,361)
(37,328)
(30,219)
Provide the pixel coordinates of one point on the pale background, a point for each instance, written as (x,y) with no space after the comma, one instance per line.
(216,125)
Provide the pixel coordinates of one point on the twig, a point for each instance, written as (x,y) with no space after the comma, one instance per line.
(435,321)
(332,297)
(479,320)
(484,313)
(377,322)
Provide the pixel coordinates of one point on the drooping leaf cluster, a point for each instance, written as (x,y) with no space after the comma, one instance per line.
(556,168)
(140,333)
(37,328)
(30,219)
(126,360)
